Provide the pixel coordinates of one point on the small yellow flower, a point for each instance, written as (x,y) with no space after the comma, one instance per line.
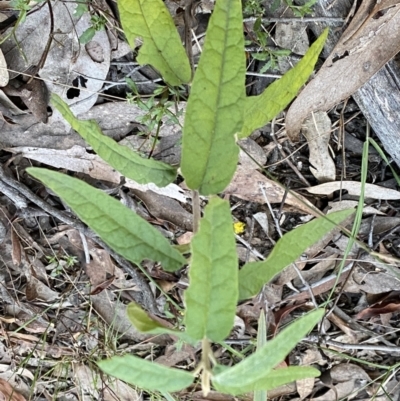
(239,227)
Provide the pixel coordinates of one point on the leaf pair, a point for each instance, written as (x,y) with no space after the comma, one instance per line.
(254,373)
(210,309)
(218,113)
(217,110)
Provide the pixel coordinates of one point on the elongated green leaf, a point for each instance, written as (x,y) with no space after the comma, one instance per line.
(146,375)
(213,287)
(255,274)
(124,231)
(256,367)
(273,379)
(261,395)
(162,48)
(124,160)
(259,110)
(214,111)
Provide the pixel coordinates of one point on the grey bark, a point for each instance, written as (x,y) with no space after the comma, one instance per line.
(379,98)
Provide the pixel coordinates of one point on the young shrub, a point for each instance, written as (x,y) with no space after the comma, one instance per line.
(217,113)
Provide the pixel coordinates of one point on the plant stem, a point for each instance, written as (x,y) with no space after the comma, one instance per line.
(196,210)
(206,366)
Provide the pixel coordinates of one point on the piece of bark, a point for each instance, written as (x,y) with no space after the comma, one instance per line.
(368,43)
(379,98)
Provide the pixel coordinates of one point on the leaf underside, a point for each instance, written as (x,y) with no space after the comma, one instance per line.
(273,379)
(123,230)
(146,375)
(162,48)
(254,275)
(261,109)
(214,111)
(128,163)
(213,287)
(253,372)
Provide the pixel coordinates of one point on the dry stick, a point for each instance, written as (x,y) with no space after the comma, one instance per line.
(278,228)
(249,247)
(250,239)
(19,201)
(383,348)
(146,293)
(327,20)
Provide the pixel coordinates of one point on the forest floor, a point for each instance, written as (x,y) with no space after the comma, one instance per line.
(63,295)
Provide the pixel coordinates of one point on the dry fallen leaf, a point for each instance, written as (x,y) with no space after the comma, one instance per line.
(350,380)
(88,382)
(317,130)
(354,188)
(373,281)
(350,204)
(114,313)
(8,393)
(387,303)
(246,185)
(305,387)
(68,70)
(77,159)
(292,36)
(4,77)
(371,40)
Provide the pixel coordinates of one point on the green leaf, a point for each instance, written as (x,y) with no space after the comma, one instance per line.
(254,275)
(124,160)
(273,379)
(162,47)
(214,111)
(252,373)
(261,395)
(213,287)
(259,110)
(145,324)
(87,36)
(146,375)
(80,9)
(124,231)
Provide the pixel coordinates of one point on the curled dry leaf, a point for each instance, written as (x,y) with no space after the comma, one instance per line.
(371,40)
(317,130)
(389,302)
(165,208)
(354,188)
